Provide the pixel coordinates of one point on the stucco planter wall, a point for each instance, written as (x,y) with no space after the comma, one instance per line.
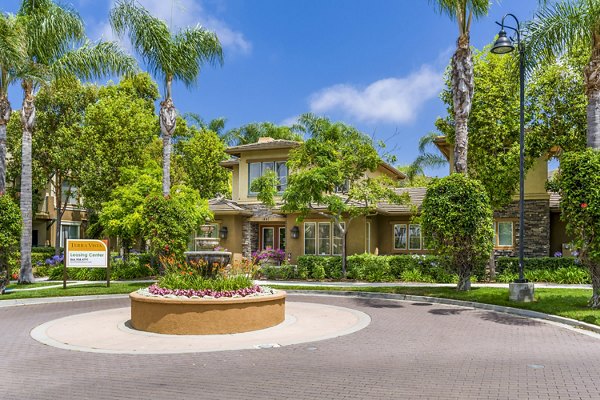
(177,316)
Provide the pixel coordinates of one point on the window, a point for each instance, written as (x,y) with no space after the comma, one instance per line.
(65,189)
(414,237)
(282,173)
(282,237)
(258,169)
(310,238)
(343,188)
(368,237)
(68,231)
(318,238)
(268,238)
(324,238)
(503,234)
(400,236)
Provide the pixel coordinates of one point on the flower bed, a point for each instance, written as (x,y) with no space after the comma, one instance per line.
(255,290)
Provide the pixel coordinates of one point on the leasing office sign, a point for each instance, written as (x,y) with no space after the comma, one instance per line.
(86,253)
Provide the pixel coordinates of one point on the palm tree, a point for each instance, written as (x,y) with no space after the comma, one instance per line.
(565,25)
(55,47)
(425,158)
(250,133)
(12,55)
(463,12)
(169,57)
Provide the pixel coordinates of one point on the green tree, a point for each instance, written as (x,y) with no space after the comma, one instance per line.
(167,222)
(10,232)
(56,144)
(579,186)
(553,116)
(118,128)
(457,223)
(169,57)
(329,176)
(461,70)
(250,133)
(569,24)
(53,45)
(121,216)
(12,55)
(200,155)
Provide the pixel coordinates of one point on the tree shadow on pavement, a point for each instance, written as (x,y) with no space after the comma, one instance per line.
(447,311)
(507,319)
(377,303)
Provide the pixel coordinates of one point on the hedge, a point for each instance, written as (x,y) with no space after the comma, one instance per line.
(365,267)
(511,264)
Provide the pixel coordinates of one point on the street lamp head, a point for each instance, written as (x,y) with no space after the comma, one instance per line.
(503,44)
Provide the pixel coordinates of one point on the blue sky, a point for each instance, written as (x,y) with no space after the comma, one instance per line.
(375,64)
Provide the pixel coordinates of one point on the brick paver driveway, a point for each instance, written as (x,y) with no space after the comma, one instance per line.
(410,350)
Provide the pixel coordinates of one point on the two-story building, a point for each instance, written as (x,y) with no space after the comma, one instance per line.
(245,225)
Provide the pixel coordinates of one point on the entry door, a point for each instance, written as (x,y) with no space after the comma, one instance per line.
(272,237)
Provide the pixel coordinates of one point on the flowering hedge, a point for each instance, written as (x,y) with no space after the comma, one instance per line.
(265,256)
(208,293)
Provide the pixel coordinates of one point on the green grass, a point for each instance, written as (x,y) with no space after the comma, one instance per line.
(79,290)
(570,303)
(31,285)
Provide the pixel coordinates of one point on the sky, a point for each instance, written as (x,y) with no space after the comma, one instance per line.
(375,64)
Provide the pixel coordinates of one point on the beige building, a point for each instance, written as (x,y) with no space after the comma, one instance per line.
(246,226)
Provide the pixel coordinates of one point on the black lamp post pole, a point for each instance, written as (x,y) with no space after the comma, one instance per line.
(504,45)
(521,156)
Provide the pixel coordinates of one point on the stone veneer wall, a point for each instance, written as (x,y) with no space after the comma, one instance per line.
(537,228)
(250,234)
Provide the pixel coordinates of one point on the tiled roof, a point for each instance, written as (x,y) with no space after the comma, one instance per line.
(416,194)
(230,163)
(223,205)
(267,145)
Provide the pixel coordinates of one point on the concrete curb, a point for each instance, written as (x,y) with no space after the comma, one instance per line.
(49,300)
(438,300)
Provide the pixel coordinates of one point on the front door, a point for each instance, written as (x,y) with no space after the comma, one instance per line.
(272,237)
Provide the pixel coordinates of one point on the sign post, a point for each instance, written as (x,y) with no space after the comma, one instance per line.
(86,253)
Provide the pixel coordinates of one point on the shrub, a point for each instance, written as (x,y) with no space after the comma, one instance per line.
(119,270)
(369,267)
(319,267)
(283,272)
(10,233)
(511,264)
(269,256)
(457,222)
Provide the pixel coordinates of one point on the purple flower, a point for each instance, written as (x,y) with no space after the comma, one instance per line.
(574,253)
(558,254)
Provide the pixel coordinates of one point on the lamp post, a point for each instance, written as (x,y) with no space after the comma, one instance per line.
(504,45)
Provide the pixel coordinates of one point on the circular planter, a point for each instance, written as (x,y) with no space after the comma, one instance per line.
(176,316)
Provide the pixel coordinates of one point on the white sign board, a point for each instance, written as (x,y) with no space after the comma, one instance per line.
(86,253)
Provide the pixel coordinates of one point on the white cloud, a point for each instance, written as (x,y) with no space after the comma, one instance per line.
(396,100)
(184,13)
(290,121)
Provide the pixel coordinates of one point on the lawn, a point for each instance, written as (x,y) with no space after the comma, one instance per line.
(570,303)
(78,290)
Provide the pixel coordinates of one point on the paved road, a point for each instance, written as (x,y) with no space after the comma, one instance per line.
(410,351)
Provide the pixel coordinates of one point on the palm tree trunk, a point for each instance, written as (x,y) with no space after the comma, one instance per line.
(592,87)
(27,120)
(462,96)
(168,119)
(594,268)
(5,111)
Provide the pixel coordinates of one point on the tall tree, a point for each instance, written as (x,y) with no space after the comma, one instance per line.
(329,177)
(12,56)
(560,27)
(169,57)
(55,47)
(462,11)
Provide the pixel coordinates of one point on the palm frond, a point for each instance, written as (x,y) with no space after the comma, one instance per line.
(426,140)
(191,48)
(12,50)
(50,29)
(557,27)
(425,160)
(462,10)
(94,61)
(149,36)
